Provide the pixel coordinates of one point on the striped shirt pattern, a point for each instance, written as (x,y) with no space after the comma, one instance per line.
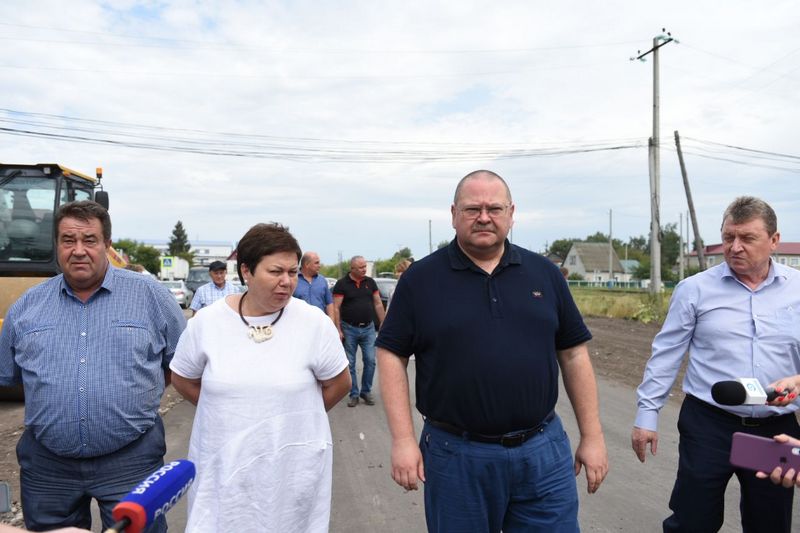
(93,372)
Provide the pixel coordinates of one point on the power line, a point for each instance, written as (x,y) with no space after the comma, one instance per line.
(753,150)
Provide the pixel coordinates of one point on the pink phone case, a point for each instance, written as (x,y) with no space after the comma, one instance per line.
(762,454)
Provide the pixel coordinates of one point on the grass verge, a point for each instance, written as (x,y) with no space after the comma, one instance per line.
(622,303)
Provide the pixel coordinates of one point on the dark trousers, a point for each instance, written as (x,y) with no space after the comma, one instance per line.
(57,491)
(704,469)
(473,487)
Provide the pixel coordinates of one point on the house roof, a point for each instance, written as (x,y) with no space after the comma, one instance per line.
(629,265)
(594,256)
(784,248)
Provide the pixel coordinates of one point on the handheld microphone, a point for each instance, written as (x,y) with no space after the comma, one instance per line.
(153,497)
(743,391)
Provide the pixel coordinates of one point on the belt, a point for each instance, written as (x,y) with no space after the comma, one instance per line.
(746,421)
(509,440)
(359,324)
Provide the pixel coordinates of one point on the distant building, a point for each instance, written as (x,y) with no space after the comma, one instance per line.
(205,252)
(591,259)
(554,258)
(788,253)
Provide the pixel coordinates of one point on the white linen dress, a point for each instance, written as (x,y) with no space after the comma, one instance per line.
(261,440)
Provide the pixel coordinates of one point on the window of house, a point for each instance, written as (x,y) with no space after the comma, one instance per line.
(572,260)
(794,261)
(782,260)
(710,261)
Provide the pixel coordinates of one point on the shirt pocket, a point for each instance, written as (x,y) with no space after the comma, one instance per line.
(787,323)
(133,341)
(35,346)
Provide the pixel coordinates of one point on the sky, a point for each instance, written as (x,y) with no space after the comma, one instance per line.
(352,122)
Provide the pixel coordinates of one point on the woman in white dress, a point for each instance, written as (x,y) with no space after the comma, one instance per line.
(263,368)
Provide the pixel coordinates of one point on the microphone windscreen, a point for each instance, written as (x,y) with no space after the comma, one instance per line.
(155,495)
(729,393)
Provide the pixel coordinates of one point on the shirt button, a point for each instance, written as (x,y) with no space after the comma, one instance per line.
(83,419)
(85,444)
(494,300)
(83,333)
(80,389)
(83,360)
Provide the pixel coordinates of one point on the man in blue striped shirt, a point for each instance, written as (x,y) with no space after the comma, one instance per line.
(92,348)
(215,289)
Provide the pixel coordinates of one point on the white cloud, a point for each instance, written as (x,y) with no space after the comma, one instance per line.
(377,75)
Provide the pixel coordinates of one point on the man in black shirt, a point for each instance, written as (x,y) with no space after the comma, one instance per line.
(356,301)
(491,326)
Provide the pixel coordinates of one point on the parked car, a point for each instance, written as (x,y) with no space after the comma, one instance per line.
(183,295)
(386,288)
(198,276)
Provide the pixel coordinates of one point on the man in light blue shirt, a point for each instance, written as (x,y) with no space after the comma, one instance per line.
(312,287)
(738,319)
(92,348)
(215,289)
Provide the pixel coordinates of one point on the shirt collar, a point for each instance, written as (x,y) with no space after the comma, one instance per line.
(108,283)
(772,275)
(460,261)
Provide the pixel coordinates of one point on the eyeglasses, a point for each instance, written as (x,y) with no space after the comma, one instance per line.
(474,211)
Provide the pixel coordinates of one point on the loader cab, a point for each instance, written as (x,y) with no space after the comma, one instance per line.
(29,198)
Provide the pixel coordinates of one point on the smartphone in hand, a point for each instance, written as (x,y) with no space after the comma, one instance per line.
(763,454)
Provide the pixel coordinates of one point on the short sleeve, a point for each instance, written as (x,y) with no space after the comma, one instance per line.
(189,361)
(331,359)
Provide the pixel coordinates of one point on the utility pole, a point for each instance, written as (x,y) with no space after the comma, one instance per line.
(701,259)
(610,252)
(680,247)
(430,239)
(655,165)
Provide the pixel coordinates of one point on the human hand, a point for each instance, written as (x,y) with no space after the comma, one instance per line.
(790,386)
(407,467)
(777,476)
(592,455)
(640,438)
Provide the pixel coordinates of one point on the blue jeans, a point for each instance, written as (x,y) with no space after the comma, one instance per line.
(57,491)
(353,338)
(478,487)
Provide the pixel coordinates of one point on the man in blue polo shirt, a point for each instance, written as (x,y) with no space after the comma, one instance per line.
(312,287)
(490,324)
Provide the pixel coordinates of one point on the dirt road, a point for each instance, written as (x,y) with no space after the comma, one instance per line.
(633,498)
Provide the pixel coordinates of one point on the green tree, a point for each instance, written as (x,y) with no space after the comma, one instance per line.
(443,244)
(387,265)
(141,254)
(337,270)
(561,247)
(178,241)
(670,250)
(670,246)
